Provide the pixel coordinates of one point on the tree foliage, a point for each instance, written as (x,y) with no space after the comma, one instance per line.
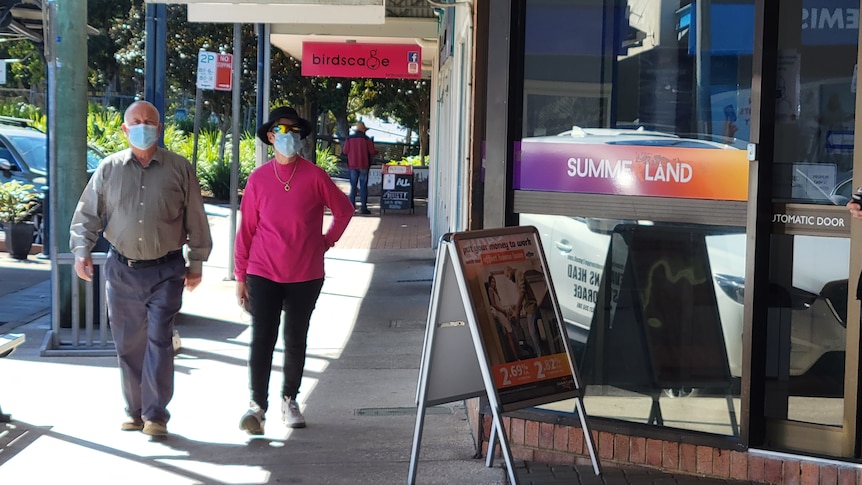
(117,63)
(407,101)
(120,33)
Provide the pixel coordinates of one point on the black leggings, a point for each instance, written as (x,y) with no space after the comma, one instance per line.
(268,299)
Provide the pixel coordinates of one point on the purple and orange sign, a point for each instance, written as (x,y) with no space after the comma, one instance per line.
(688,173)
(394,61)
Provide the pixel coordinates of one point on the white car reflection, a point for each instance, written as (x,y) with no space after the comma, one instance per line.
(576,249)
(817,301)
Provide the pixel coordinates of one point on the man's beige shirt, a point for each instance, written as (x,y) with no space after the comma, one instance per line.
(145,213)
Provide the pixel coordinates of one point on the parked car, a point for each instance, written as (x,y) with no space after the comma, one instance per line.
(818,298)
(24,157)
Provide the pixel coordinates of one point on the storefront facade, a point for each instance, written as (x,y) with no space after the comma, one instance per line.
(687,166)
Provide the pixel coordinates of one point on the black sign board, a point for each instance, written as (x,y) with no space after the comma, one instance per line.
(657,325)
(397,192)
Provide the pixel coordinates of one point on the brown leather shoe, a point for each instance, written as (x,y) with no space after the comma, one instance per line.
(155,428)
(132,424)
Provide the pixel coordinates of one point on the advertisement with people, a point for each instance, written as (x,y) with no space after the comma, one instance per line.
(515,311)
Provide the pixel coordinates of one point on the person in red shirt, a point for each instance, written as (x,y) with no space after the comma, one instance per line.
(279,256)
(359,149)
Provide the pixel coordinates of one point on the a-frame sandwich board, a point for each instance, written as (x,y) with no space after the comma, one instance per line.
(491,288)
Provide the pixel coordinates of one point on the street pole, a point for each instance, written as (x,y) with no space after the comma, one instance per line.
(156,54)
(66,56)
(264,71)
(235,136)
(197,127)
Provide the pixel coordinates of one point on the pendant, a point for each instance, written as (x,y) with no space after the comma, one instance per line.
(286,186)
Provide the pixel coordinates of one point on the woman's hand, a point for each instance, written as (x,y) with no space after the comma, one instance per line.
(242,296)
(855,209)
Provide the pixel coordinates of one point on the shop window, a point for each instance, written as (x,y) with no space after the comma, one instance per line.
(636,101)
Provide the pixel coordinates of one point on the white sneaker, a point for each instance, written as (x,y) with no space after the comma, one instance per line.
(291,414)
(253,420)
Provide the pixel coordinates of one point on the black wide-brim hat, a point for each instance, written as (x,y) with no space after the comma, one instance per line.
(288,114)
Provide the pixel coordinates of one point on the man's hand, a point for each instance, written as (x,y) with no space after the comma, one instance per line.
(192,280)
(84,268)
(855,209)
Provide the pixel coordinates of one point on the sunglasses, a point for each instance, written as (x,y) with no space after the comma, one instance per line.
(284,129)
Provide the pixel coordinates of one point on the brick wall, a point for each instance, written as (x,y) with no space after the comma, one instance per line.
(564,445)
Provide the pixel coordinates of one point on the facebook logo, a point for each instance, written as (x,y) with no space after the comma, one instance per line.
(413,56)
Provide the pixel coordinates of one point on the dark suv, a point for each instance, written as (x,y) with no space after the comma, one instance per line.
(24,157)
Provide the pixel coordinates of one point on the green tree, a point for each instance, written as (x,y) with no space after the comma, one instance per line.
(29,69)
(407,101)
(119,26)
(334,98)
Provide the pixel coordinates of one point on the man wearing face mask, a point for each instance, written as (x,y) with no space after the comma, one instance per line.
(279,255)
(147,202)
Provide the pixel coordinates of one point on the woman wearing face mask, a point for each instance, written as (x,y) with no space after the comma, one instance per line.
(279,259)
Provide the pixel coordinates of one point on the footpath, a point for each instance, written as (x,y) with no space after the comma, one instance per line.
(358,392)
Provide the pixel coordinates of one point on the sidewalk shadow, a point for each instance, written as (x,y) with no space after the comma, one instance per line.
(250,459)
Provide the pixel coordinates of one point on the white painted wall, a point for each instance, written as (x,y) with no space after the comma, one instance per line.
(448,189)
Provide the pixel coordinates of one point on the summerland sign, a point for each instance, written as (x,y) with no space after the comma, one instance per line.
(395,61)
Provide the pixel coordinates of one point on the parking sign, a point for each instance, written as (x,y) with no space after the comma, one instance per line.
(206,70)
(215,71)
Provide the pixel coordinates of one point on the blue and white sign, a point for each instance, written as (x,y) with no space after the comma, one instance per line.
(830,22)
(207,65)
(839,141)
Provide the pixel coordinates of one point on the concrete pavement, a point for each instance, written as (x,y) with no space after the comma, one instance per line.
(358,392)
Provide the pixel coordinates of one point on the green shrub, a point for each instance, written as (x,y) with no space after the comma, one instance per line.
(213,172)
(25,111)
(17,201)
(411,160)
(104,130)
(327,160)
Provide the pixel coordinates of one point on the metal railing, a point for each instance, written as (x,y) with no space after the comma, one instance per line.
(81,338)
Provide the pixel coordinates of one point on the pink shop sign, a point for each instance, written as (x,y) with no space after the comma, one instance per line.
(394,61)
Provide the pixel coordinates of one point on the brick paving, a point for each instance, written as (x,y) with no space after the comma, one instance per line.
(389,230)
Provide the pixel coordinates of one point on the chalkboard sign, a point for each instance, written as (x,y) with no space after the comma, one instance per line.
(397,192)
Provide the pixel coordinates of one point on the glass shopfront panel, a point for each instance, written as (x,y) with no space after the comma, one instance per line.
(810,245)
(644,101)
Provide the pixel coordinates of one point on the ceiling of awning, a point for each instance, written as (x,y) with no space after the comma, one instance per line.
(403,21)
(22,19)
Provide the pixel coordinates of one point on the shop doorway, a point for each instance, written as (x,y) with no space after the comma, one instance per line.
(809,334)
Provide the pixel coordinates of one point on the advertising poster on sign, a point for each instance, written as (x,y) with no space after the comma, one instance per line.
(515,311)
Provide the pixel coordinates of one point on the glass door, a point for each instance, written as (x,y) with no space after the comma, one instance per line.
(809,362)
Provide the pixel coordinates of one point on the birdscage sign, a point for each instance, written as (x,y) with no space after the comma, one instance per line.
(215,71)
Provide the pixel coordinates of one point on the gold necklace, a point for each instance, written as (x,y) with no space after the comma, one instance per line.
(286,184)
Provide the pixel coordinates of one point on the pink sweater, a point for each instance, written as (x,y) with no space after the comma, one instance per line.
(280,235)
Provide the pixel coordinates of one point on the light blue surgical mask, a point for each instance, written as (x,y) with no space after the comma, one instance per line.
(287,143)
(143,136)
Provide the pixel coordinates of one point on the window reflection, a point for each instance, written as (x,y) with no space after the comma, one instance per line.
(635,81)
(636,65)
(653,310)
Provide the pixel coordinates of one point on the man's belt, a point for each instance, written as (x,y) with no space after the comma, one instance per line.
(146,263)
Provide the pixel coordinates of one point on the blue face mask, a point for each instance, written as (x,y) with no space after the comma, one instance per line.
(143,136)
(287,143)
